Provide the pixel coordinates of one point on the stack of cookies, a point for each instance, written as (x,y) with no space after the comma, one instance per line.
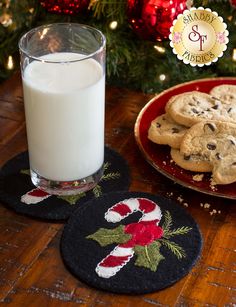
(200,128)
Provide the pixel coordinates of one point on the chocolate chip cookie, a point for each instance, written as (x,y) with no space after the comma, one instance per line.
(193,107)
(226,92)
(194,163)
(163,130)
(215,141)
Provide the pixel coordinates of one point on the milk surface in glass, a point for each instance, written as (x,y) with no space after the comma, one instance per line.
(64,107)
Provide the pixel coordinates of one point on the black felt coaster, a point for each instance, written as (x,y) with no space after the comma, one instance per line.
(15,182)
(162,254)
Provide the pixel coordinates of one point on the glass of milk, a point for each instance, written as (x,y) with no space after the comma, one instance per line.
(63,75)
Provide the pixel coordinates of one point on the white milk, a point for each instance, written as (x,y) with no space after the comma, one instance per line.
(64,107)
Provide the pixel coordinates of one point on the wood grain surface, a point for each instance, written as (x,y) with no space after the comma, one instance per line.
(31,269)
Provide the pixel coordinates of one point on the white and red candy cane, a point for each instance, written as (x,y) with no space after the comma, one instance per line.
(122,253)
(34,196)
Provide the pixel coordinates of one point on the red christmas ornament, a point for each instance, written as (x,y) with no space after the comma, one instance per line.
(69,7)
(233,2)
(152,19)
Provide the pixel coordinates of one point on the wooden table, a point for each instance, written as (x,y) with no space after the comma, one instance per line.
(31,269)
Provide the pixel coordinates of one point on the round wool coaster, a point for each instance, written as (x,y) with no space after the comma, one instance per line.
(18,192)
(130,242)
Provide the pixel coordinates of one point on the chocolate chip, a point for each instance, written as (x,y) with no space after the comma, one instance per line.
(218,156)
(229,110)
(211,146)
(175,130)
(215,107)
(158,125)
(196,100)
(210,126)
(234,163)
(195,111)
(232,142)
(186,157)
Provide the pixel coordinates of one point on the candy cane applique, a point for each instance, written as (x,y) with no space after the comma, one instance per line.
(34,196)
(141,233)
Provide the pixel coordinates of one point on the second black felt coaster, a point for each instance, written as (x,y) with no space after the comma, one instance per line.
(18,192)
(130,242)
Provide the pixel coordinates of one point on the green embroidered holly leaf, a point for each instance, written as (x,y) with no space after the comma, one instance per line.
(72,199)
(179,231)
(148,256)
(177,250)
(25,171)
(108,236)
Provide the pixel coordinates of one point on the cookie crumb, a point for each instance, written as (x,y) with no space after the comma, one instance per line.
(213,185)
(205,206)
(164,162)
(180,199)
(185,204)
(214,211)
(198,177)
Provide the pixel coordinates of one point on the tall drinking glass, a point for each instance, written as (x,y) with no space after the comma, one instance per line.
(63,74)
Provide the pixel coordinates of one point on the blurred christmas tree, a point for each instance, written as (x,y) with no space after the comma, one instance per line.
(138,54)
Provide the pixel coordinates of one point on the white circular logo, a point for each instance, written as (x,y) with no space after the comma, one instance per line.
(199,36)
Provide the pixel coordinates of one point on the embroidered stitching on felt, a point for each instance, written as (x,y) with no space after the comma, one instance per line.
(32,197)
(142,239)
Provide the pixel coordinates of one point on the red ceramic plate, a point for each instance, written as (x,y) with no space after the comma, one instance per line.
(159,155)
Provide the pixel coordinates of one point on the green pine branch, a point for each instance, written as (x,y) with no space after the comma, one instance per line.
(131,62)
(177,250)
(110,176)
(25,172)
(179,231)
(106,166)
(97,191)
(110,9)
(167,222)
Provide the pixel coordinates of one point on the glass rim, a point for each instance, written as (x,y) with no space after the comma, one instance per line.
(38,58)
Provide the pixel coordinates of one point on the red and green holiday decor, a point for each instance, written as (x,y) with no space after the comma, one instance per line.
(152,19)
(18,193)
(36,195)
(233,3)
(130,242)
(142,239)
(67,7)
